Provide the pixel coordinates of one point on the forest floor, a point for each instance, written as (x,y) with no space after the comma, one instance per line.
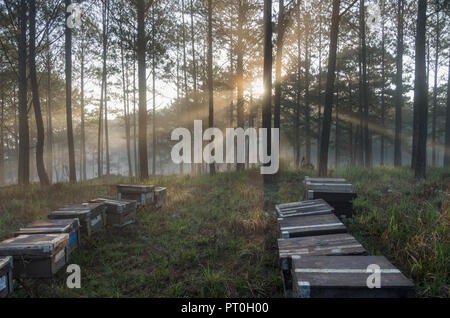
(214,238)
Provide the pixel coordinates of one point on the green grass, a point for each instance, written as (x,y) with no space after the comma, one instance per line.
(216,236)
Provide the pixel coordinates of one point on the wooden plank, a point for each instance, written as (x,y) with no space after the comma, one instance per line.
(310,225)
(311,207)
(333,244)
(347,276)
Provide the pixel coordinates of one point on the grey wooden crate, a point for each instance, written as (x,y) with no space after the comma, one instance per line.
(119,213)
(346,277)
(143,194)
(69,226)
(37,255)
(333,244)
(310,225)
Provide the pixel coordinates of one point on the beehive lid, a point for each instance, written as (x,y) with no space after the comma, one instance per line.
(310,225)
(331,187)
(331,244)
(309,207)
(36,244)
(50,226)
(77,209)
(345,276)
(135,188)
(324,180)
(123,203)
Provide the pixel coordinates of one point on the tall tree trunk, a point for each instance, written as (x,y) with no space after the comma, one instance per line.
(154,96)
(307,82)
(399,86)
(326,124)
(2,141)
(240,70)
(267,80)
(436,68)
(420,92)
(447,122)
(336,158)
(299,92)
(125,102)
(83,134)
(40,164)
(136,162)
(49,109)
(319,99)
(212,167)
(195,167)
(141,49)
(105,79)
(365,91)
(24,135)
(278,65)
(383,81)
(68,49)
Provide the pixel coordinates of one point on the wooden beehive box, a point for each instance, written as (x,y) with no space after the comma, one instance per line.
(310,207)
(346,277)
(6,276)
(143,194)
(310,225)
(160,197)
(37,255)
(69,226)
(332,244)
(324,180)
(339,195)
(119,213)
(92,216)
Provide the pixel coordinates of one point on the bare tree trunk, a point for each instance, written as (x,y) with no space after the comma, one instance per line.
(40,164)
(278,65)
(367,144)
(83,134)
(68,47)
(307,83)
(383,81)
(319,122)
(2,141)
(125,102)
(420,91)
(24,137)
(399,86)
(267,80)
(141,49)
(298,95)
(212,167)
(154,97)
(436,67)
(240,70)
(336,158)
(447,122)
(136,162)
(326,125)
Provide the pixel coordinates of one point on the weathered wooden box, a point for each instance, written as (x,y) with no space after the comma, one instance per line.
(333,244)
(339,194)
(310,207)
(92,216)
(119,213)
(160,197)
(143,194)
(6,276)
(347,277)
(324,180)
(37,255)
(310,225)
(69,226)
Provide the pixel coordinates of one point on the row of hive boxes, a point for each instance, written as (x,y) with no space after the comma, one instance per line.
(145,195)
(320,259)
(40,249)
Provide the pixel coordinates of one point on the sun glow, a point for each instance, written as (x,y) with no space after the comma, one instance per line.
(257,88)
